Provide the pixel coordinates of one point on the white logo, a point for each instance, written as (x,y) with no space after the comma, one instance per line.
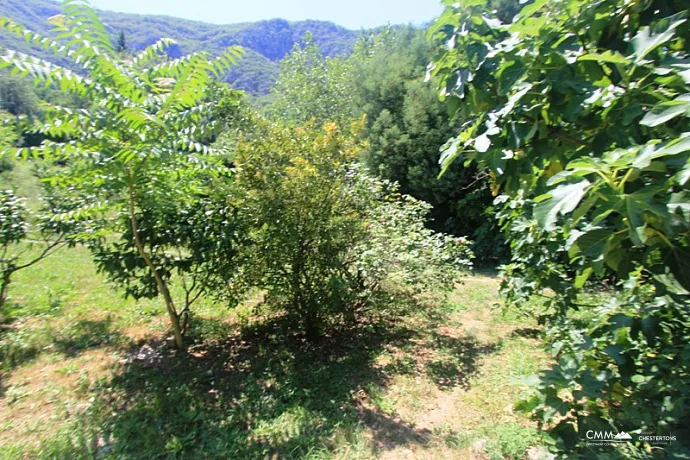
(607,437)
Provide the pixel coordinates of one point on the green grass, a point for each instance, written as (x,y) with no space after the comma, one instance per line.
(426,384)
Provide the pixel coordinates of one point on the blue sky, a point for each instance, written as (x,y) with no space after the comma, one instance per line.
(353,14)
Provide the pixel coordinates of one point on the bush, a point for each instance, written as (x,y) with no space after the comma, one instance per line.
(7,139)
(323,235)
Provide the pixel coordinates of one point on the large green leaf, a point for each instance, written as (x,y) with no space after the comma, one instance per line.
(678,261)
(650,151)
(591,243)
(612,57)
(562,200)
(637,208)
(665,111)
(645,42)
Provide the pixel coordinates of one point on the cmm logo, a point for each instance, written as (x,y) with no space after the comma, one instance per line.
(607,436)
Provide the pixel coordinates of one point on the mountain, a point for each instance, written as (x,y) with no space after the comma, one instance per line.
(265,42)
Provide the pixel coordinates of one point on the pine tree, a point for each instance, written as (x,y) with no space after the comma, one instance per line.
(121,46)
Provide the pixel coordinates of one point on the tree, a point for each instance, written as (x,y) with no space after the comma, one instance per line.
(121,46)
(145,121)
(17,96)
(8,137)
(291,190)
(407,126)
(580,111)
(311,86)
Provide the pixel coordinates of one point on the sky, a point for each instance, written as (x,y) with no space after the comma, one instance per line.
(353,14)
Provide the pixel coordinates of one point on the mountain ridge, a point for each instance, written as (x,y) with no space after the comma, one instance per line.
(265,41)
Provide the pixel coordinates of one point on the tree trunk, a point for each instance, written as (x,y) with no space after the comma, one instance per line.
(4,290)
(160,282)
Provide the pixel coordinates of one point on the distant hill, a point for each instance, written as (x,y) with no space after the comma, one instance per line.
(266,42)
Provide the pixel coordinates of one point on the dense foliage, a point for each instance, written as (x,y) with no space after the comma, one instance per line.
(323,236)
(312,86)
(406,128)
(579,109)
(405,125)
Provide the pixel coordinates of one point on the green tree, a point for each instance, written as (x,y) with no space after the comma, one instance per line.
(311,86)
(145,121)
(17,226)
(407,126)
(580,111)
(291,191)
(121,46)
(17,96)
(8,138)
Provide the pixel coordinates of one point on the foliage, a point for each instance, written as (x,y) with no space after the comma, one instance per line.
(311,86)
(266,42)
(291,189)
(255,74)
(399,246)
(146,121)
(17,96)
(184,226)
(16,227)
(8,137)
(324,236)
(406,128)
(579,108)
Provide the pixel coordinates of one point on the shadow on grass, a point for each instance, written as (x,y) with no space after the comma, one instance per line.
(527,333)
(457,360)
(260,393)
(22,344)
(263,393)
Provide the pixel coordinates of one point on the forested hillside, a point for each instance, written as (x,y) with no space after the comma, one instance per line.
(266,42)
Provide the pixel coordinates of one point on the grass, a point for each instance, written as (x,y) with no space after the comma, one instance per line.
(85,372)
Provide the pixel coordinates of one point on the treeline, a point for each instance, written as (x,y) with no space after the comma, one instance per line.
(405,123)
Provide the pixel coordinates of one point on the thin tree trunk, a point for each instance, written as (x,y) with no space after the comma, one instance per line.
(162,286)
(4,290)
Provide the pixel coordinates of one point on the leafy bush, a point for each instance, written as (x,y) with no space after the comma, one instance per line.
(186,228)
(399,246)
(580,110)
(7,139)
(323,235)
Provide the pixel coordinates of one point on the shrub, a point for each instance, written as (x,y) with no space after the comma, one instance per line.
(323,235)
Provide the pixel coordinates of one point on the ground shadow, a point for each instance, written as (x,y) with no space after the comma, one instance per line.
(457,361)
(265,392)
(527,333)
(20,345)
